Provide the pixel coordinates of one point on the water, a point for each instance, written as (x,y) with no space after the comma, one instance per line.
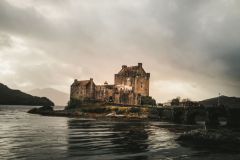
(27,137)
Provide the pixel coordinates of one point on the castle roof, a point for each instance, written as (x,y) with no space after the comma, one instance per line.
(109,86)
(132,70)
(81,83)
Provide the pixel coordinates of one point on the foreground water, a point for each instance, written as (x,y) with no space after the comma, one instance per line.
(28,137)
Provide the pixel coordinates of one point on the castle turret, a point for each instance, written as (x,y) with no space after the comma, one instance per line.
(75,80)
(139,64)
(124,66)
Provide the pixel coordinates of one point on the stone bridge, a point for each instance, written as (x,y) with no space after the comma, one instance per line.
(211,115)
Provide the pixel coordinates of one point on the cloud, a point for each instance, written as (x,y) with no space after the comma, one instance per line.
(186,43)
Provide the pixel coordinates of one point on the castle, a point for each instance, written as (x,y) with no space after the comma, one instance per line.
(130,84)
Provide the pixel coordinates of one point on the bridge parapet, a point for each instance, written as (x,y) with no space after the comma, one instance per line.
(211,115)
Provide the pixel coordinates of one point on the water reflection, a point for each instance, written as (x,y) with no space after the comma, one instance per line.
(111,139)
(130,137)
(120,140)
(26,136)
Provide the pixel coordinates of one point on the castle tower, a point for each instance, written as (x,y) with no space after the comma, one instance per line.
(132,80)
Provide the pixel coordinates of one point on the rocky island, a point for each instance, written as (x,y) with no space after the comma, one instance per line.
(128,97)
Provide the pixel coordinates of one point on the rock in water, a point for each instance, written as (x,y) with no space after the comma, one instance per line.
(41,110)
(223,139)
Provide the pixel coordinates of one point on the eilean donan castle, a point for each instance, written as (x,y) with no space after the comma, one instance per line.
(130,84)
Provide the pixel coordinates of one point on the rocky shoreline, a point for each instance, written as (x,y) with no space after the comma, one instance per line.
(93,113)
(216,139)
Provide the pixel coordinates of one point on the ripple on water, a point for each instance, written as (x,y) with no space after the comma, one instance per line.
(25,136)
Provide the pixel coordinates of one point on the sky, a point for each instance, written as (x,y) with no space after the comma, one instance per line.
(190,47)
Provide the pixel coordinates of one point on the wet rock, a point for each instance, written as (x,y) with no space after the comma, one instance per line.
(41,110)
(223,139)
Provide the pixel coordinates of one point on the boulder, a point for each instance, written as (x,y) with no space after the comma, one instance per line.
(223,139)
(41,110)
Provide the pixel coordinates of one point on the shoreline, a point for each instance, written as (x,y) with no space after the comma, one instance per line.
(212,139)
(208,138)
(110,114)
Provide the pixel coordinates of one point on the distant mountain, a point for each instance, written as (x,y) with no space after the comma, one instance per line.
(58,97)
(16,97)
(224,100)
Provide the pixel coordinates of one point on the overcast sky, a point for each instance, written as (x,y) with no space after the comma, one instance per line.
(190,47)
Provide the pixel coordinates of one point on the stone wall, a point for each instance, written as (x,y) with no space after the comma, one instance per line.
(104,92)
(141,85)
(90,90)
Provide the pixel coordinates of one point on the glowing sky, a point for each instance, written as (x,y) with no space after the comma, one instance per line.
(190,47)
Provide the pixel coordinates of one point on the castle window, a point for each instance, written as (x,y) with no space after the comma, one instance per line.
(141,85)
(129,83)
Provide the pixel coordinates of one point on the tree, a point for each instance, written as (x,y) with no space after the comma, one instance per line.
(175,101)
(188,102)
(147,100)
(74,103)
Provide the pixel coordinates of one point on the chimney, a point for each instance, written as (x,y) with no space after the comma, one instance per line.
(124,66)
(105,83)
(91,79)
(75,81)
(139,64)
(148,75)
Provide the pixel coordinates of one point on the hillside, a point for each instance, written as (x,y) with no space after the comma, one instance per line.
(16,97)
(58,97)
(224,100)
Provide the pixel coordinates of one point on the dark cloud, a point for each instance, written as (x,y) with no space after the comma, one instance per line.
(192,45)
(23,21)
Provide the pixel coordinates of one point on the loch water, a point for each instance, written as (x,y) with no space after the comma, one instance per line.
(26,136)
